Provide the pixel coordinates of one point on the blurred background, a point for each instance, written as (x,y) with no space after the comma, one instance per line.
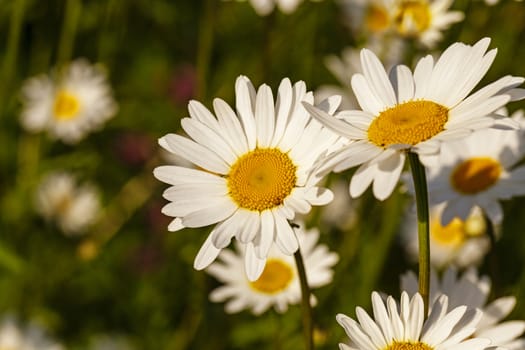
(125,282)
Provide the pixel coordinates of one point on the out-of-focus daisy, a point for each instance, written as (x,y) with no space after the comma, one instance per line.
(425,20)
(265,7)
(369,17)
(479,170)
(461,242)
(472,290)
(414,112)
(32,337)
(278,285)
(73,207)
(69,104)
(409,329)
(256,170)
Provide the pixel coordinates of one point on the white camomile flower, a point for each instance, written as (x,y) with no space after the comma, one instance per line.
(278,285)
(479,170)
(425,20)
(32,337)
(461,242)
(265,7)
(472,290)
(370,17)
(409,329)
(72,206)
(257,169)
(414,112)
(69,104)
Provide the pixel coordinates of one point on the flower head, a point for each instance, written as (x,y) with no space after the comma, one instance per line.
(460,242)
(473,290)
(479,170)
(70,105)
(257,169)
(72,207)
(417,112)
(265,7)
(409,329)
(278,285)
(32,337)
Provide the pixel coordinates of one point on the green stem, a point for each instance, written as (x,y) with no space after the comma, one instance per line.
(305,302)
(11,56)
(420,185)
(69,28)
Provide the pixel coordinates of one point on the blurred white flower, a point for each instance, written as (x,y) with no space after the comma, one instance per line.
(446,328)
(473,291)
(461,242)
(278,285)
(69,104)
(30,337)
(265,7)
(73,207)
(479,170)
(424,20)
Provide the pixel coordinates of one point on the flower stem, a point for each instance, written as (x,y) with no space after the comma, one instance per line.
(420,185)
(12,51)
(69,28)
(305,301)
(205,46)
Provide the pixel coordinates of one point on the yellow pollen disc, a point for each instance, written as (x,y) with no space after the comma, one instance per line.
(377,18)
(403,345)
(261,179)
(453,234)
(276,277)
(413,17)
(408,123)
(475,175)
(475,225)
(66,105)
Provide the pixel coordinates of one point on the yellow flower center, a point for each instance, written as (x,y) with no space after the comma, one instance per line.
(66,105)
(408,123)
(376,18)
(457,231)
(413,17)
(261,179)
(452,234)
(404,345)
(276,277)
(475,175)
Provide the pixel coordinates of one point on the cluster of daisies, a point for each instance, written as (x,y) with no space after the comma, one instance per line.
(256,169)
(68,104)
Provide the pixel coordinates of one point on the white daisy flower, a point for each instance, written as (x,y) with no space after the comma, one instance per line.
(425,19)
(13,336)
(414,112)
(73,207)
(409,329)
(69,105)
(479,170)
(256,170)
(265,7)
(472,290)
(370,17)
(461,242)
(278,285)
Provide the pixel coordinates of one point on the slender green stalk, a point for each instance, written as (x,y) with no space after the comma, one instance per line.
(69,29)
(420,185)
(11,56)
(308,328)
